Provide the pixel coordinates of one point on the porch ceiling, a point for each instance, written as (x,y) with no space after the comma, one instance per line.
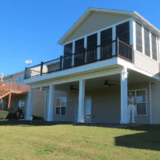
(133,77)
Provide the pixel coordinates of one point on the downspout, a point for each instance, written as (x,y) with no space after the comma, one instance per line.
(150,101)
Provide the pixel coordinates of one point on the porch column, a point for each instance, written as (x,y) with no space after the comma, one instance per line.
(29,104)
(51,103)
(81,101)
(124,95)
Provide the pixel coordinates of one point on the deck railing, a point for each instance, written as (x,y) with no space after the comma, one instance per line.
(104,51)
(13,86)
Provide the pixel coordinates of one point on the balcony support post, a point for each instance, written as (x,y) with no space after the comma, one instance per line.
(124,94)
(29,105)
(81,101)
(51,103)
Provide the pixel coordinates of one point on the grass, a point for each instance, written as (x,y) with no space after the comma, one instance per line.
(43,141)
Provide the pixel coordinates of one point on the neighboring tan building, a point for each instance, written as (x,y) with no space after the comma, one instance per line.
(13,92)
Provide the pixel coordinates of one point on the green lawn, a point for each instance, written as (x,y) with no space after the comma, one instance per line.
(44,141)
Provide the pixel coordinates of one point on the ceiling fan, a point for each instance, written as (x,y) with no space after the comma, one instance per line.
(108,84)
(72,88)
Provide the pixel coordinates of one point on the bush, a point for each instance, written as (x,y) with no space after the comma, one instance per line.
(3,114)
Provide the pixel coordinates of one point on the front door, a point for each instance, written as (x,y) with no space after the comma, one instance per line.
(87,109)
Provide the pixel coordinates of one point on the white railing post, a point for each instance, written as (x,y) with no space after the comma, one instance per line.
(73,50)
(98,43)
(113,39)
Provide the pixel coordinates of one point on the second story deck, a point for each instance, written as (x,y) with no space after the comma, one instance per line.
(102,52)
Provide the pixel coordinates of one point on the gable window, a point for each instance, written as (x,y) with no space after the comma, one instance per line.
(154,47)
(67,56)
(106,49)
(122,31)
(147,42)
(138,37)
(91,55)
(79,52)
(61,104)
(141,99)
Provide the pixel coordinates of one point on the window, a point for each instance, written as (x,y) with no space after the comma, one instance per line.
(91,55)
(68,54)
(16,80)
(80,54)
(106,37)
(138,37)
(147,42)
(122,31)
(61,104)
(92,41)
(154,47)
(20,80)
(141,98)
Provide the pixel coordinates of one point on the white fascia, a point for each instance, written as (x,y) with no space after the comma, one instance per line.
(130,65)
(74,70)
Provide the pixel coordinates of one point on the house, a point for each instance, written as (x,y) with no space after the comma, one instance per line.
(106,54)
(13,92)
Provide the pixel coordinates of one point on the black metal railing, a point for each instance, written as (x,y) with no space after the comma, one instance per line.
(105,51)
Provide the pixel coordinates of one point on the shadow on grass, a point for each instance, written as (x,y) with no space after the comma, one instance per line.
(150,139)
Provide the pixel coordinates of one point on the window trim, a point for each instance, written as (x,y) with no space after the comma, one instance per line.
(60,107)
(143,102)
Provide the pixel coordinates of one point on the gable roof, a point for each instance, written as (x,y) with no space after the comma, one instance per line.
(134,14)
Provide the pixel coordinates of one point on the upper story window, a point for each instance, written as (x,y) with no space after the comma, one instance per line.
(68,54)
(147,42)
(138,37)
(106,37)
(92,41)
(68,49)
(154,47)
(122,31)
(79,45)
(92,50)
(79,49)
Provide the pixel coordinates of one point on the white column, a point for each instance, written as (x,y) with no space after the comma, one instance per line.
(134,35)
(113,38)
(81,101)
(98,43)
(131,31)
(51,103)
(124,95)
(73,51)
(29,104)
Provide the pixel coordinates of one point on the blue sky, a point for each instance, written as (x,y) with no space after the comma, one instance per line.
(30,29)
